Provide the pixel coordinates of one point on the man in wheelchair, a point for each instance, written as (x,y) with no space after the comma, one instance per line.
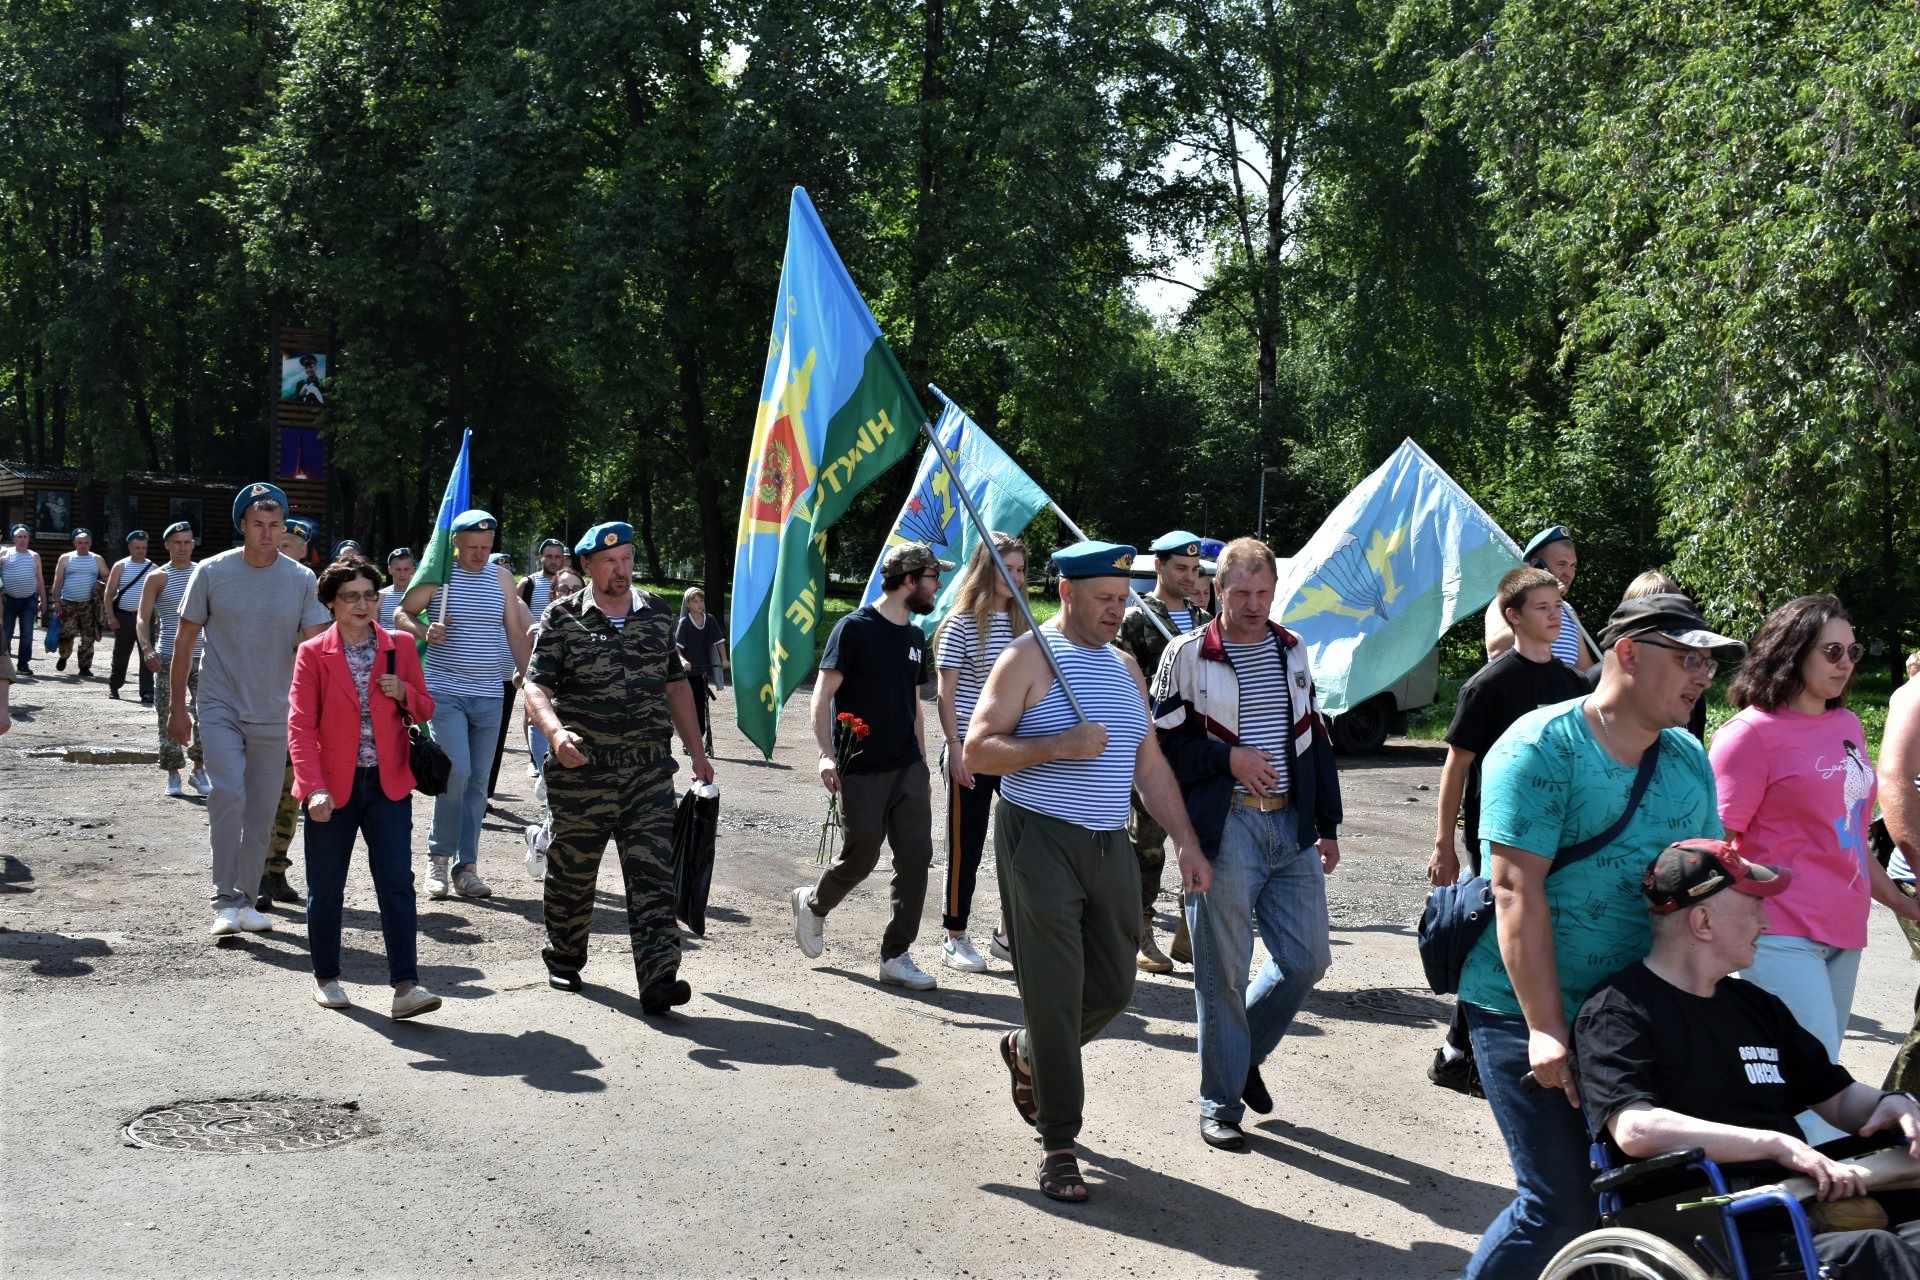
(1675,1053)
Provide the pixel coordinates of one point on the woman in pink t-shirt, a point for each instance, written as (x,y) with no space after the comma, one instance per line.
(1797,789)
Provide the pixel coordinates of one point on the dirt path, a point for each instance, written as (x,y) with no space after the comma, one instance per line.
(798,1120)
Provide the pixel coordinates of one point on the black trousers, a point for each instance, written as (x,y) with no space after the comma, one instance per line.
(500,747)
(127,645)
(968,812)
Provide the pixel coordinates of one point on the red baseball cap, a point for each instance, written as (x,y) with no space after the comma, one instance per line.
(1688,872)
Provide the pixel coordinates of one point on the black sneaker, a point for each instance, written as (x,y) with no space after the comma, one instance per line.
(561,981)
(61,663)
(1461,1074)
(664,995)
(1255,1093)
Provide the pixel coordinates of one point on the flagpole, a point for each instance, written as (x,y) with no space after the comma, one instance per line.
(986,540)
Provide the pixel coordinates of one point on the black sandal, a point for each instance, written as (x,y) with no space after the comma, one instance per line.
(1060,1174)
(1022,1084)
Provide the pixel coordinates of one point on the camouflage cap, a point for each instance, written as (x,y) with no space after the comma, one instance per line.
(912,557)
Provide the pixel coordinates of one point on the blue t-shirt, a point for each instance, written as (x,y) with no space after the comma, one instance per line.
(1549,784)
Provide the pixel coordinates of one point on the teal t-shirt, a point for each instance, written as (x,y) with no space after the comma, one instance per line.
(1547,784)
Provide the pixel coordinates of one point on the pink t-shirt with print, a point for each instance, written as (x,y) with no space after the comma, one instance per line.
(1800,788)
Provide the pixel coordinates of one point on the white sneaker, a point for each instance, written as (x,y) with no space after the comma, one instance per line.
(1000,947)
(540,786)
(809,930)
(538,836)
(173,784)
(417,1001)
(201,782)
(958,953)
(328,995)
(226,923)
(438,885)
(250,920)
(468,884)
(901,971)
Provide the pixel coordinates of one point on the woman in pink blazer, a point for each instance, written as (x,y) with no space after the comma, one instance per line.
(349,749)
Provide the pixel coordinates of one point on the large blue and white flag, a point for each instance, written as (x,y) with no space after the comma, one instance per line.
(1403,557)
(1005,496)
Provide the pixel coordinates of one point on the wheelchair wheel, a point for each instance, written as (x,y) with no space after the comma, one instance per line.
(1621,1253)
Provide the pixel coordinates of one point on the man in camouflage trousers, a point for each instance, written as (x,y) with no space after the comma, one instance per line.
(1176,571)
(606,687)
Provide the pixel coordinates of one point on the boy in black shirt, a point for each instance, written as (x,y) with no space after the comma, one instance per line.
(1674,1053)
(873,667)
(1524,677)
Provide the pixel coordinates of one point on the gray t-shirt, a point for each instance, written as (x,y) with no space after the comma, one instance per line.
(253,619)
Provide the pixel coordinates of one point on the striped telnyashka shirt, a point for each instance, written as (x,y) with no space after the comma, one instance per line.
(1088,793)
(961,650)
(469,662)
(1266,708)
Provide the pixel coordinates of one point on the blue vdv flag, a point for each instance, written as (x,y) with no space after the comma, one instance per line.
(1403,557)
(1005,496)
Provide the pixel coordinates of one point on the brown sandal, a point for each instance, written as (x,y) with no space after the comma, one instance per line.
(1059,1175)
(1022,1083)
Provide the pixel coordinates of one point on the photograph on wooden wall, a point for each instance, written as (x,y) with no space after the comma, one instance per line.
(301,457)
(52,512)
(302,375)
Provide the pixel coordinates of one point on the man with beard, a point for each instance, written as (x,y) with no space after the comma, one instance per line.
(873,668)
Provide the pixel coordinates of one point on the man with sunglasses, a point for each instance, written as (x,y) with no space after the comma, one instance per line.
(1563,776)
(1675,1052)
(1551,549)
(873,667)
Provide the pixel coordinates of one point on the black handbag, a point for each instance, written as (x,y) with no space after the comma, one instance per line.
(428,760)
(1457,914)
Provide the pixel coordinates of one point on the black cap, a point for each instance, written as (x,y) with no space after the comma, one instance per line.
(1672,616)
(1689,872)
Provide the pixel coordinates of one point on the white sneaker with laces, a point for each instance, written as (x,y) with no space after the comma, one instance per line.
(250,920)
(173,784)
(958,953)
(328,995)
(225,923)
(901,971)
(1000,947)
(809,930)
(538,836)
(418,1000)
(468,884)
(201,782)
(438,883)
(540,786)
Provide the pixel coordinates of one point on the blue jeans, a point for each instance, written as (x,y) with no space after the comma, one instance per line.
(20,612)
(536,748)
(1263,876)
(1815,981)
(1547,1143)
(388,828)
(468,730)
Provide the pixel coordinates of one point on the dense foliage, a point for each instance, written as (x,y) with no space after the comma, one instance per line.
(1649,270)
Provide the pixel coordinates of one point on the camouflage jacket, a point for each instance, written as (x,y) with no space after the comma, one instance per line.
(609,685)
(1139,637)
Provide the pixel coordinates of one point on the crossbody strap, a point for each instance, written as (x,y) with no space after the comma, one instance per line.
(1586,848)
(401,703)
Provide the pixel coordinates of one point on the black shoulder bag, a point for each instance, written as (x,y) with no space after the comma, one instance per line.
(428,760)
(1457,914)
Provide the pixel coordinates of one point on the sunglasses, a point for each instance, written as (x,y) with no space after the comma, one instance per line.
(1836,651)
(1691,659)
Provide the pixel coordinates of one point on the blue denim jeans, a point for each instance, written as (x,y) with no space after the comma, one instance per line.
(388,828)
(468,730)
(1546,1142)
(536,748)
(19,612)
(1816,982)
(1263,877)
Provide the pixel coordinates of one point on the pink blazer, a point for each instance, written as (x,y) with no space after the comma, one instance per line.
(323,720)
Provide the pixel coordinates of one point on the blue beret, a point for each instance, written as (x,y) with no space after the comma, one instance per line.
(1177,543)
(604,537)
(137,535)
(1546,538)
(178,526)
(345,545)
(1094,560)
(302,528)
(552,542)
(19,528)
(475,521)
(1211,548)
(82,533)
(500,557)
(259,491)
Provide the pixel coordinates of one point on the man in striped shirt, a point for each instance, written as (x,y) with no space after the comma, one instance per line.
(24,586)
(1235,709)
(1551,549)
(400,567)
(1068,883)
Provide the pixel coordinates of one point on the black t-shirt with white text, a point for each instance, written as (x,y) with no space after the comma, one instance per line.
(881,666)
(1735,1057)
(1490,701)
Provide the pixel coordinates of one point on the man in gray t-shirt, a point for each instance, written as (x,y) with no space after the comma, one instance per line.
(254,607)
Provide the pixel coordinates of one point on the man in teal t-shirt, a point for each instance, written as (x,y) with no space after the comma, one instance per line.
(1560,775)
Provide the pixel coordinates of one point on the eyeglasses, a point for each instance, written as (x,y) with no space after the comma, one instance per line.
(356,597)
(1836,651)
(1691,659)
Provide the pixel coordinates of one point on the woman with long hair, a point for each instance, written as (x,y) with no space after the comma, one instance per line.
(1796,789)
(351,770)
(984,621)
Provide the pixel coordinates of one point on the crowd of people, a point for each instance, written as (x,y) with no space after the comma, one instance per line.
(1578,780)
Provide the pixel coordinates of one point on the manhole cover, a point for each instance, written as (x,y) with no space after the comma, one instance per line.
(250,1126)
(1400,1004)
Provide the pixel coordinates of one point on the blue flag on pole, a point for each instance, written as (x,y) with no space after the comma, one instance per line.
(1006,497)
(1403,557)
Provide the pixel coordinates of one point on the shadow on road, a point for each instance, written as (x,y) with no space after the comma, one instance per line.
(780,1038)
(1147,1205)
(540,1058)
(54,955)
(357,964)
(15,875)
(1447,1199)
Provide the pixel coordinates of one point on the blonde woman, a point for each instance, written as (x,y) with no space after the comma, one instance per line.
(984,621)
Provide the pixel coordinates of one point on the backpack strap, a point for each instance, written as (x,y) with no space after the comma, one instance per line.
(1586,848)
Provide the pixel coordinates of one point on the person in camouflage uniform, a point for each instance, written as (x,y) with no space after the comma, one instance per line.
(1172,604)
(607,687)
(79,603)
